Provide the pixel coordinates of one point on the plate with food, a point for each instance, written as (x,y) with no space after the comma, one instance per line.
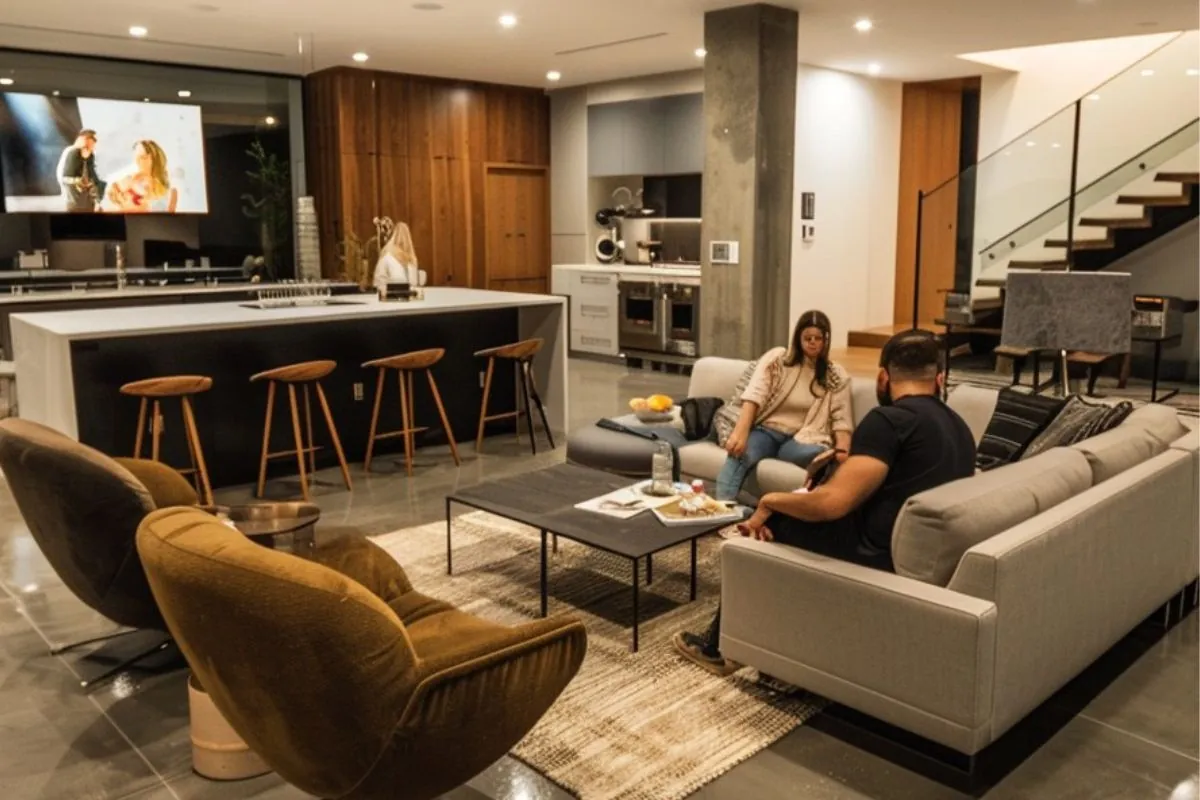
(695,509)
(655,408)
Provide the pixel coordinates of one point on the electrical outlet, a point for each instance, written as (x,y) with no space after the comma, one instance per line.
(482,378)
(358,392)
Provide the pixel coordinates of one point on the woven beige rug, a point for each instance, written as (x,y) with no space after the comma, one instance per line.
(649,725)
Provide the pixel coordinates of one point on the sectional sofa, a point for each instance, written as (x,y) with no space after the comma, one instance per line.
(1008,584)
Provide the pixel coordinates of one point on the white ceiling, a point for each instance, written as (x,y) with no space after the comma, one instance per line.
(912,40)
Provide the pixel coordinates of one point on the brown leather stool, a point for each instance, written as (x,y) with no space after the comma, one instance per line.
(305,374)
(405,365)
(521,354)
(166,387)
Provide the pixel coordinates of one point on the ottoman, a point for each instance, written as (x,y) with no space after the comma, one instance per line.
(620,453)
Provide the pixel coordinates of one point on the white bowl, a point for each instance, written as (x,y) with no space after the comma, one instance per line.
(650,416)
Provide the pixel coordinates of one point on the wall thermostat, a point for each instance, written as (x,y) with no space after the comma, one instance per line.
(723,252)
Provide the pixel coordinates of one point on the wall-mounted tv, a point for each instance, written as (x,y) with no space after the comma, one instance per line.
(84,155)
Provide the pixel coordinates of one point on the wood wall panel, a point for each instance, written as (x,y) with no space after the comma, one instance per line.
(417,149)
(930,133)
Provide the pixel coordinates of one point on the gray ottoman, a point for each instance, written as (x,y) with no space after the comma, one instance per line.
(619,453)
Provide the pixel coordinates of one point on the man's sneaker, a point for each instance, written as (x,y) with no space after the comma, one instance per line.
(695,649)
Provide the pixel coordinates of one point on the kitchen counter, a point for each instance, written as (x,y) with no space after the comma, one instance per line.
(632,269)
(86,295)
(71,364)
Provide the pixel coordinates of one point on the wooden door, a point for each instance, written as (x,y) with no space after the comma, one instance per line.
(517,221)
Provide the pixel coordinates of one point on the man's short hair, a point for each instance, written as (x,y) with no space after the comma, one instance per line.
(913,355)
(87,133)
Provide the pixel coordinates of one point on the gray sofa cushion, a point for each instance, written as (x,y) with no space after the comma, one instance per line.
(1115,451)
(975,405)
(1161,422)
(715,377)
(610,451)
(937,527)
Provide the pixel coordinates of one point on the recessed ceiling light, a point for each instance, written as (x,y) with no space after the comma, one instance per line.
(700,52)
(1146,73)
(184,93)
(554,75)
(1093,97)
(428,6)
(137,31)
(270,120)
(1055,146)
(508,20)
(6,81)
(145,99)
(863,25)
(56,93)
(1008,152)
(1031,143)
(874,69)
(360,57)
(1193,72)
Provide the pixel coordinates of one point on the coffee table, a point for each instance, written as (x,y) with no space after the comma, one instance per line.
(545,499)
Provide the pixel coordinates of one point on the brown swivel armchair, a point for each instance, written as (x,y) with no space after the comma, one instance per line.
(83,509)
(344,679)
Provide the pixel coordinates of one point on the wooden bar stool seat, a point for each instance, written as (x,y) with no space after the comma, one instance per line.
(305,375)
(164,388)
(522,355)
(406,365)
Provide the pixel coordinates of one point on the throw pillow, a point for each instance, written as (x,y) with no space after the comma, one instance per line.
(1078,420)
(697,414)
(727,415)
(1015,423)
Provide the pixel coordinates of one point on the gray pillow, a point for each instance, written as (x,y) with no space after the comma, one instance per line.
(1072,424)
(727,415)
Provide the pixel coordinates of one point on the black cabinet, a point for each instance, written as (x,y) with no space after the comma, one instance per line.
(674,196)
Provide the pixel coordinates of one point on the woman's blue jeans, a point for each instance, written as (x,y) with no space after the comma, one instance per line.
(762,443)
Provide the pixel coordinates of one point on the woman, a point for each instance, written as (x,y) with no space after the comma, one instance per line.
(148,188)
(795,407)
(397,261)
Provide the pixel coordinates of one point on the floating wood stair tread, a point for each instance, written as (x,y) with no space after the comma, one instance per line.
(1154,199)
(1116,222)
(1178,177)
(1050,265)
(1082,244)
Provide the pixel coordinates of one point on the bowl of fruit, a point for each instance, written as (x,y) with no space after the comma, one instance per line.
(655,408)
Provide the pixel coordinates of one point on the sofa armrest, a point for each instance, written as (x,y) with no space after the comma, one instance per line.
(166,486)
(856,635)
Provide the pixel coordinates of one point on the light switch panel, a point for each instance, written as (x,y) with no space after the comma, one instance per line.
(723,252)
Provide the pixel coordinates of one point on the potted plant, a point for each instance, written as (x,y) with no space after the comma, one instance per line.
(271,205)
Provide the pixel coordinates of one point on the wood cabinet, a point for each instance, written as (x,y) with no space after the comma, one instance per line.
(661,136)
(420,150)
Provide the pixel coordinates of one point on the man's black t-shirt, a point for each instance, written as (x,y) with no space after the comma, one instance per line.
(925,444)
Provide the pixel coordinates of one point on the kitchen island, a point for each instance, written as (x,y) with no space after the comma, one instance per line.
(71,364)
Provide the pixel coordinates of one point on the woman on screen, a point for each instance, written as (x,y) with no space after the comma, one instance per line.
(398,260)
(147,188)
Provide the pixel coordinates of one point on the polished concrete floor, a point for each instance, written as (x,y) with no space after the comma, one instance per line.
(128,739)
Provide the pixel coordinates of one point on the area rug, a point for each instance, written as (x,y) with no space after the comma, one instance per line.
(644,726)
(1137,391)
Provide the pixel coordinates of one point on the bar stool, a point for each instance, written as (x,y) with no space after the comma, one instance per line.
(166,387)
(304,374)
(521,354)
(405,365)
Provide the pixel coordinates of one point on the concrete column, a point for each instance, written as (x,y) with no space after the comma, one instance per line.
(750,132)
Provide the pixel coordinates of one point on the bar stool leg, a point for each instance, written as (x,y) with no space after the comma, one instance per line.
(189,418)
(141,429)
(187,436)
(333,434)
(437,399)
(299,440)
(407,432)
(374,419)
(312,442)
(487,390)
(537,399)
(156,436)
(262,463)
(524,377)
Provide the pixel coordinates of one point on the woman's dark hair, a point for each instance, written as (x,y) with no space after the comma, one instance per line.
(795,353)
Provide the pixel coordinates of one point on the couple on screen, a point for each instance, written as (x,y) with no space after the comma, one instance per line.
(796,407)
(142,188)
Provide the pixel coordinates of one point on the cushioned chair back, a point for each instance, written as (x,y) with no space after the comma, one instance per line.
(83,510)
(306,664)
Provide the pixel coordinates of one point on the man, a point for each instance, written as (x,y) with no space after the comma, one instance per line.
(82,188)
(911,443)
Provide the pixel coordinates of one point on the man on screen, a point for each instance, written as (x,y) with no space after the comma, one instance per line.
(81,187)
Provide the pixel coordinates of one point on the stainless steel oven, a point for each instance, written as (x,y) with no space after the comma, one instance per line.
(681,317)
(641,319)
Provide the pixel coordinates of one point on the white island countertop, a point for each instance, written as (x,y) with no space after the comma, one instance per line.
(107,323)
(640,270)
(68,295)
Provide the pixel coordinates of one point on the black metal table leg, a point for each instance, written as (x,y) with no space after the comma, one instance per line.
(693,587)
(649,569)
(449,562)
(543,581)
(636,564)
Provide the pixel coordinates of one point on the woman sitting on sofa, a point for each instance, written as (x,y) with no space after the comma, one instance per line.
(795,407)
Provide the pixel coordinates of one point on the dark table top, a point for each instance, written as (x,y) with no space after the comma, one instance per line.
(546,500)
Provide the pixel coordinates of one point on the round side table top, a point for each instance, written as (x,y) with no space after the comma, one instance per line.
(267,519)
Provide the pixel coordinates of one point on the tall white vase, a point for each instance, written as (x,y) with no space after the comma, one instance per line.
(308,243)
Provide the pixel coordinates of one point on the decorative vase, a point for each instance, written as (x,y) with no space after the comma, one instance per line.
(308,243)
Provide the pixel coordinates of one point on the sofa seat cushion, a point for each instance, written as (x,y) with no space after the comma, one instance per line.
(704,460)
(1161,422)
(701,460)
(937,527)
(611,451)
(1115,451)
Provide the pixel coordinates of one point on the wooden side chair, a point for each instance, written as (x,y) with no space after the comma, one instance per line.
(405,366)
